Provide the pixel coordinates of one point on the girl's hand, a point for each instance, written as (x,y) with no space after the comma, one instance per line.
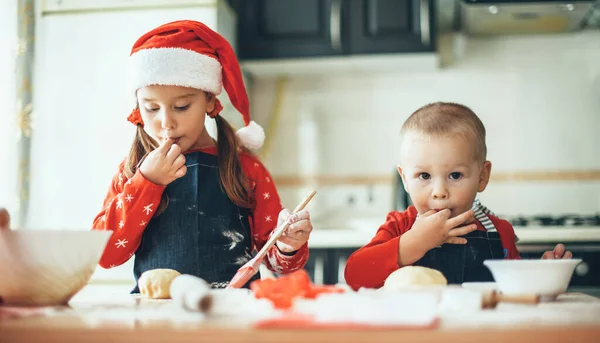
(436,228)
(297,233)
(165,164)
(559,252)
(4,219)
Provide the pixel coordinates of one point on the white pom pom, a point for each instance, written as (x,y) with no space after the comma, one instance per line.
(251,136)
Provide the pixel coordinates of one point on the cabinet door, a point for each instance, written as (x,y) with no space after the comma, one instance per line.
(337,263)
(388,26)
(317,266)
(289,28)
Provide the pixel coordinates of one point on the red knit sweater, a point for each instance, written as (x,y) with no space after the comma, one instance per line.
(130,205)
(370,265)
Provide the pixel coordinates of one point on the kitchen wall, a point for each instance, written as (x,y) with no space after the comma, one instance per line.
(8,44)
(539,97)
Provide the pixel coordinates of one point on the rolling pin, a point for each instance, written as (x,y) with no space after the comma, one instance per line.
(191,293)
(491,298)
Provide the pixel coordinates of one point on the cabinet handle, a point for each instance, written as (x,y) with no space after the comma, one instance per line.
(335,25)
(319,271)
(424,22)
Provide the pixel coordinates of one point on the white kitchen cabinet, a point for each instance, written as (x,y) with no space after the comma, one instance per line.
(59,6)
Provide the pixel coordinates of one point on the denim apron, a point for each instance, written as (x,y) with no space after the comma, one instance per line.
(201,232)
(464,262)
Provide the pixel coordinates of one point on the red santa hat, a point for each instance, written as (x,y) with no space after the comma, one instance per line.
(189,54)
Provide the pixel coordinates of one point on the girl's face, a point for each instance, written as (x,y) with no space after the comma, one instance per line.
(177,113)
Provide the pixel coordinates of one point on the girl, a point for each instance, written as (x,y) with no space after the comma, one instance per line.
(182,200)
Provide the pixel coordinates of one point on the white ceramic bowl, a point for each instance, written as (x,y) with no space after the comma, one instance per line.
(47,267)
(548,278)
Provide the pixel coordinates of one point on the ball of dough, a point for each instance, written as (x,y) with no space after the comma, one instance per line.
(155,283)
(414,276)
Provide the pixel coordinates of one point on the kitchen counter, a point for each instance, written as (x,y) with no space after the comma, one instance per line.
(208,334)
(111,315)
(350,236)
(354,235)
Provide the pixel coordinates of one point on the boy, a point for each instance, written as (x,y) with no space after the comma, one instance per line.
(443,167)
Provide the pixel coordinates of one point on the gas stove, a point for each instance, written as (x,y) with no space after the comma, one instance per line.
(557,221)
(552,229)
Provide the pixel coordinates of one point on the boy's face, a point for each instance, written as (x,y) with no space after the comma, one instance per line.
(442,172)
(175,112)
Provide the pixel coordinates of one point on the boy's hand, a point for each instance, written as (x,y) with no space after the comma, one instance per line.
(433,229)
(4,219)
(559,252)
(165,164)
(436,228)
(297,233)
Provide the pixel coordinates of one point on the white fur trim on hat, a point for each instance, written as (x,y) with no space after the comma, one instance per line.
(175,67)
(251,136)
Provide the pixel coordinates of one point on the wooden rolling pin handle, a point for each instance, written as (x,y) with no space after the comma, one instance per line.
(491,298)
(488,299)
(530,299)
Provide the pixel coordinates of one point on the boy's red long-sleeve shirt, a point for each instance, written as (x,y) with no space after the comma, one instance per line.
(370,265)
(130,205)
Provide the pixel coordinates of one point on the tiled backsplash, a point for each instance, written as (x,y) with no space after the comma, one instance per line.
(539,97)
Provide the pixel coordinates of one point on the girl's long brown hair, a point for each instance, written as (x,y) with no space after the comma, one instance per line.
(233,180)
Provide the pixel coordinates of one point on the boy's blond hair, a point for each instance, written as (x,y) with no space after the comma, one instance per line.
(448,119)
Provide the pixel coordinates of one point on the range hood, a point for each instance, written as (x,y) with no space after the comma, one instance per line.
(501,17)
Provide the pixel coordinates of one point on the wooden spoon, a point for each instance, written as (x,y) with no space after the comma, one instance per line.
(248,270)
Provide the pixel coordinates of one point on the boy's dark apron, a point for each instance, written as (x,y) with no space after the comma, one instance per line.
(464,262)
(201,232)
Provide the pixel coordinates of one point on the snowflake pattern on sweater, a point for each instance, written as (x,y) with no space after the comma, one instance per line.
(130,204)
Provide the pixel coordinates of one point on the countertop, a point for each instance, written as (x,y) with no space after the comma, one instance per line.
(572,318)
(356,233)
(355,236)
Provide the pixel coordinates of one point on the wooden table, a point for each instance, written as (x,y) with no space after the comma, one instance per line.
(573,318)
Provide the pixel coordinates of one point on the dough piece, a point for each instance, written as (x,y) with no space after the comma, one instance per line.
(414,276)
(155,283)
